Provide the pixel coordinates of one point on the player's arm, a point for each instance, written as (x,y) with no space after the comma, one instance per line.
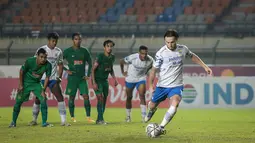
(156,65)
(60,66)
(93,80)
(122,64)
(89,61)
(197,60)
(114,77)
(65,63)
(24,68)
(47,78)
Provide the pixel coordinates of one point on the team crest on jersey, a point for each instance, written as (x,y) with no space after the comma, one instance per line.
(180,52)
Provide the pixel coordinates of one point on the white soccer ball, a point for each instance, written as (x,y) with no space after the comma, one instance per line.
(152,130)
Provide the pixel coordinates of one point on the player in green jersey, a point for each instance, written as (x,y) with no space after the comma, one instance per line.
(30,76)
(77,57)
(103,66)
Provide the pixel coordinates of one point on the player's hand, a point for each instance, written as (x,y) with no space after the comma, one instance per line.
(86,77)
(95,87)
(116,83)
(43,94)
(209,71)
(59,79)
(124,73)
(20,88)
(151,90)
(69,72)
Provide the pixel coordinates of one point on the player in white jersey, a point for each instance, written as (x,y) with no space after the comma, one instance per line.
(138,66)
(169,63)
(55,57)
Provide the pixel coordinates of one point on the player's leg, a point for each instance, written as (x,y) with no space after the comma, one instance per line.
(37,90)
(99,94)
(159,95)
(71,89)
(175,97)
(83,87)
(20,98)
(105,85)
(129,91)
(57,91)
(141,87)
(35,112)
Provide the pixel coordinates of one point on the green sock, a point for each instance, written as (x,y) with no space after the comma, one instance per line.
(16,110)
(99,111)
(44,111)
(87,107)
(71,107)
(104,104)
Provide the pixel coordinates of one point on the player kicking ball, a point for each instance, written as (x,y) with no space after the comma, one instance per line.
(30,75)
(55,57)
(138,66)
(169,63)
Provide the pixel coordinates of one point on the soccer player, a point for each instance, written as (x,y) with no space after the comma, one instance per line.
(77,57)
(30,75)
(55,57)
(138,66)
(103,66)
(169,63)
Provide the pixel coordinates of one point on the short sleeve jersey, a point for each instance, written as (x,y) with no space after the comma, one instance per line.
(105,66)
(137,69)
(34,72)
(77,59)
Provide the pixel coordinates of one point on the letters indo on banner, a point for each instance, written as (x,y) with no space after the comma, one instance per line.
(199,92)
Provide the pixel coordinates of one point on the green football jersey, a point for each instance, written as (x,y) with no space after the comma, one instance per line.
(104,67)
(77,59)
(33,72)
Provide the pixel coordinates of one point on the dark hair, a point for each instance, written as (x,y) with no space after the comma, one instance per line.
(53,35)
(142,47)
(75,34)
(41,51)
(107,42)
(171,33)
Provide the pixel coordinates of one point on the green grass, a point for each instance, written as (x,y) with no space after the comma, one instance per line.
(189,125)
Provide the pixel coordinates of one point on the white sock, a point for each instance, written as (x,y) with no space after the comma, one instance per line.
(36,110)
(128,111)
(168,116)
(143,110)
(62,111)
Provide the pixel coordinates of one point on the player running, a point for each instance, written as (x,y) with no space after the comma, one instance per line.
(169,62)
(103,66)
(30,75)
(138,66)
(77,57)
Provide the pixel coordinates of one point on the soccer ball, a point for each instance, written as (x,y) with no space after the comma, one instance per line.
(152,130)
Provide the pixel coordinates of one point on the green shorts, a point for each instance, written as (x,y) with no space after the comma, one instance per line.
(74,83)
(36,88)
(103,88)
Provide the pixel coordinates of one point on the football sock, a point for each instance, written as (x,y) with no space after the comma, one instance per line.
(100,111)
(128,112)
(143,110)
(168,116)
(16,110)
(87,107)
(36,110)
(44,110)
(104,104)
(71,107)
(62,111)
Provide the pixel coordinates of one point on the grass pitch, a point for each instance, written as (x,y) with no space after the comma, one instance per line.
(189,125)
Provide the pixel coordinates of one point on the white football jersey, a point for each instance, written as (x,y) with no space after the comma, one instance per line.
(137,69)
(54,56)
(170,65)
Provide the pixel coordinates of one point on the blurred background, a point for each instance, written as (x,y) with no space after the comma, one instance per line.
(219,31)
